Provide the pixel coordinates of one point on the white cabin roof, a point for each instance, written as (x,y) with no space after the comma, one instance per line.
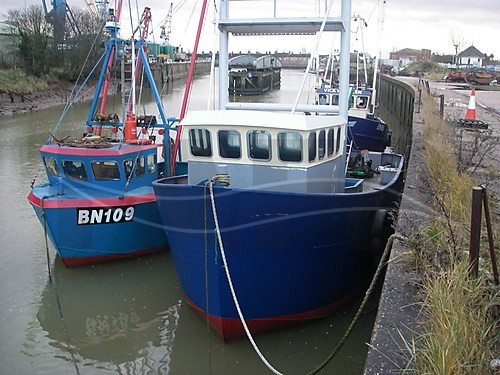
(260,119)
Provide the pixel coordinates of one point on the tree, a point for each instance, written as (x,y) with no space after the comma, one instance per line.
(39,54)
(34,38)
(82,47)
(458,41)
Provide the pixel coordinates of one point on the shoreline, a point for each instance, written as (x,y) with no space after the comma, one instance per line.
(54,95)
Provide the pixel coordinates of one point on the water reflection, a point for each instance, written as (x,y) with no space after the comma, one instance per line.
(113,317)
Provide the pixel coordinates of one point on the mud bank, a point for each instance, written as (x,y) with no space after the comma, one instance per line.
(12,103)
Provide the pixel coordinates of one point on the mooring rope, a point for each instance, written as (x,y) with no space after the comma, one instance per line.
(52,281)
(231,287)
(380,266)
(47,253)
(342,341)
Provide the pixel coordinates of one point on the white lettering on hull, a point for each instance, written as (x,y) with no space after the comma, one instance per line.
(107,215)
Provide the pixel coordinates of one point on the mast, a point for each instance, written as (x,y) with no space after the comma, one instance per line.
(113,25)
(373,103)
(187,90)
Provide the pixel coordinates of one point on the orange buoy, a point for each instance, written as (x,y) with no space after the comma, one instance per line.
(130,128)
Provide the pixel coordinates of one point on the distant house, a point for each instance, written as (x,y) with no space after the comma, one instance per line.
(471,57)
(407,56)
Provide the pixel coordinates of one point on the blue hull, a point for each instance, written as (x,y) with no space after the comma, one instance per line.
(102,240)
(368,134)
(291,257)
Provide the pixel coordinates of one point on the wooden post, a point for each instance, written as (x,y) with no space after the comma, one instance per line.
(441,106)
(475,231)
(487,217)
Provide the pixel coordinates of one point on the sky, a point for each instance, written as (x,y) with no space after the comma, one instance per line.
(437,25)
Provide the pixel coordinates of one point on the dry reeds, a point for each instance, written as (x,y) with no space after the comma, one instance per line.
(459,331)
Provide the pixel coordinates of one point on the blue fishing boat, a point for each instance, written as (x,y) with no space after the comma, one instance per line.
(98,203)
(265,230)
(365,131)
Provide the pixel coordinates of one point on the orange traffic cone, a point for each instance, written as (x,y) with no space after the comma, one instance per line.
(471,108)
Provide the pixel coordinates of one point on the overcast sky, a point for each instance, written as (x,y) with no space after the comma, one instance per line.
(418,24)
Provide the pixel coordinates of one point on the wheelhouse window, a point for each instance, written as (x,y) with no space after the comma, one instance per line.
(312,146)
(290,147)
(105,170)
(229,144)
(335,100)
(51,166)
(323,99)
(199,141)
(330,141)
(74,170)
(337,146)
(140,166)
(259,144)
(321,144)
(361,101)
(151,163)
(128,166)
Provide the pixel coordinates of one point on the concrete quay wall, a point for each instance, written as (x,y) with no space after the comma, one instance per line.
(397,316)
(172,71)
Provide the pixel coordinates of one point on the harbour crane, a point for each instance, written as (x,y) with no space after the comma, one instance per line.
(98,8)
(165,35)
(57,16)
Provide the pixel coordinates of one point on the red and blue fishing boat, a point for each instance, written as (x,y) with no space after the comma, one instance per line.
(98,203)
(265,229)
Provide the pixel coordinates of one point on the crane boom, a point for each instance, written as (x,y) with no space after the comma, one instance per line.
(165,34)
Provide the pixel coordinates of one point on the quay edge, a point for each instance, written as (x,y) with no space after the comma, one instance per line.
(397,316)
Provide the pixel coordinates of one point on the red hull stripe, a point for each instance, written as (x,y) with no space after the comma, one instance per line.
(230,329)
(94,151)
(91,202)
(85,261)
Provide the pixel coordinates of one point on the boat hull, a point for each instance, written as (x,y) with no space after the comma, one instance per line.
(88,231)
(291,257)
(368,134)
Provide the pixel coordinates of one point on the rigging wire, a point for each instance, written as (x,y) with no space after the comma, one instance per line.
(320,33)
(212,89)
(190,17)
(73,96)
(70,103)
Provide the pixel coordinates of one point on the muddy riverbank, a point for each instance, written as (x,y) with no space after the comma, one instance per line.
(53,95)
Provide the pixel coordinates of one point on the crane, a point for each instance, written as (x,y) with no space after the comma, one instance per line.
(57,16)
(92,8)
(167,25)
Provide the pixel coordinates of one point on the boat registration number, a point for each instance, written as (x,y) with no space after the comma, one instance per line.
(107,215)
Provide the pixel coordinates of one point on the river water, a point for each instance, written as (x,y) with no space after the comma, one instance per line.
(127,317)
